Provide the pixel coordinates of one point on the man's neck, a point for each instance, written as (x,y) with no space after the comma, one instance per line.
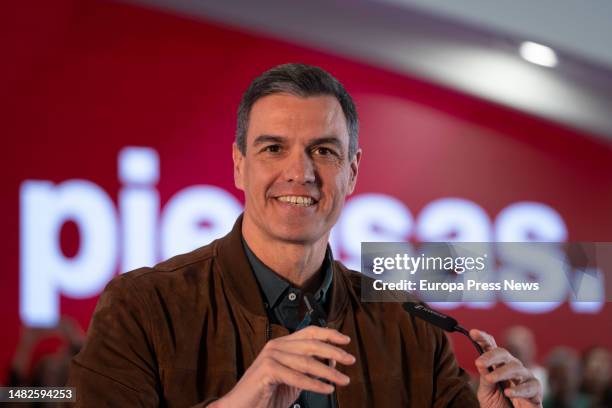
(296,262)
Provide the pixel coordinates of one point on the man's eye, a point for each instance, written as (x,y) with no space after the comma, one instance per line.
(323,151)
(272,148)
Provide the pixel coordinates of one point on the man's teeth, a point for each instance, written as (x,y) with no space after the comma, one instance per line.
(298,200)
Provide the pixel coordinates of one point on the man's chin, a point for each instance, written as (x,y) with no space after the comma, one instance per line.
(298,235)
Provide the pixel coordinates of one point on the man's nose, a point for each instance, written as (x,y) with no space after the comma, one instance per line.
(300,168)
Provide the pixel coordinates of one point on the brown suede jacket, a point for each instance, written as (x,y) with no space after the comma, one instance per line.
(183,333)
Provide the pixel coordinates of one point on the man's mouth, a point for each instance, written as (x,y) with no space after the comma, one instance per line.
(302,201)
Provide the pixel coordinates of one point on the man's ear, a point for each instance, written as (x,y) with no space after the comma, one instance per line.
(354,171)
(238,158)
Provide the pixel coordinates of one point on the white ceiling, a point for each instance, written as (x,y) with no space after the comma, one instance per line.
(583,28)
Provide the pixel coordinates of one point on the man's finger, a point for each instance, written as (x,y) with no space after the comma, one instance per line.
(282,374)
(531,390)
(513,371)
(484,339)
(494,358)
(315,348)
(322,334)
(310,366)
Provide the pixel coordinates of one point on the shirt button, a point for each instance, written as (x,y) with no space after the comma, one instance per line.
(292,297)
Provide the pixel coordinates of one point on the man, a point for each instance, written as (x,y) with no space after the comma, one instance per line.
(226,325)
(563,366)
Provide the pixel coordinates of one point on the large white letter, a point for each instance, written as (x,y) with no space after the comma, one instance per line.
(195,216)
(529,222)
(457,219)
(532,222)
(453,219)
(45,272)
(139,206)
(372,218)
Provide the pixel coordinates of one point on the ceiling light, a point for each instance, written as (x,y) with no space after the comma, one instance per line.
(538,54)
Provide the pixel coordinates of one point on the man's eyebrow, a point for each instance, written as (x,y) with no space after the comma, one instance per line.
(268,139)
(261,139)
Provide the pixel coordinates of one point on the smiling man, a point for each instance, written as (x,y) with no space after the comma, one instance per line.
(295,172)
(235,323)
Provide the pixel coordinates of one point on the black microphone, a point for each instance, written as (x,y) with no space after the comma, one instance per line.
(438,319)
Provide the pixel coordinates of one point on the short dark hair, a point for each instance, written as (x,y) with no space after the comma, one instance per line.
(299,80)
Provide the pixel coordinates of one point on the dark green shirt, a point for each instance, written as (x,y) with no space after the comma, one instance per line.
(284,305)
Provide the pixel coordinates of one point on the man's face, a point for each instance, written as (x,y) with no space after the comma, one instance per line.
(296,172)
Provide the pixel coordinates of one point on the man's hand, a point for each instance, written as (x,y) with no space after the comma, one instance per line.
(523,389)
(286,366)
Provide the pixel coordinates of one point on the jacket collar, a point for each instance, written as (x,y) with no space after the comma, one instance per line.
(236,271)
(274,286)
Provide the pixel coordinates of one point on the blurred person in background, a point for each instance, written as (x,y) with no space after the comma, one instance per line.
(51,368)
(563,365)
(596,372)
(521,343)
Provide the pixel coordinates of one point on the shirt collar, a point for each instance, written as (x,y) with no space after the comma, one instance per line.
(273,286)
